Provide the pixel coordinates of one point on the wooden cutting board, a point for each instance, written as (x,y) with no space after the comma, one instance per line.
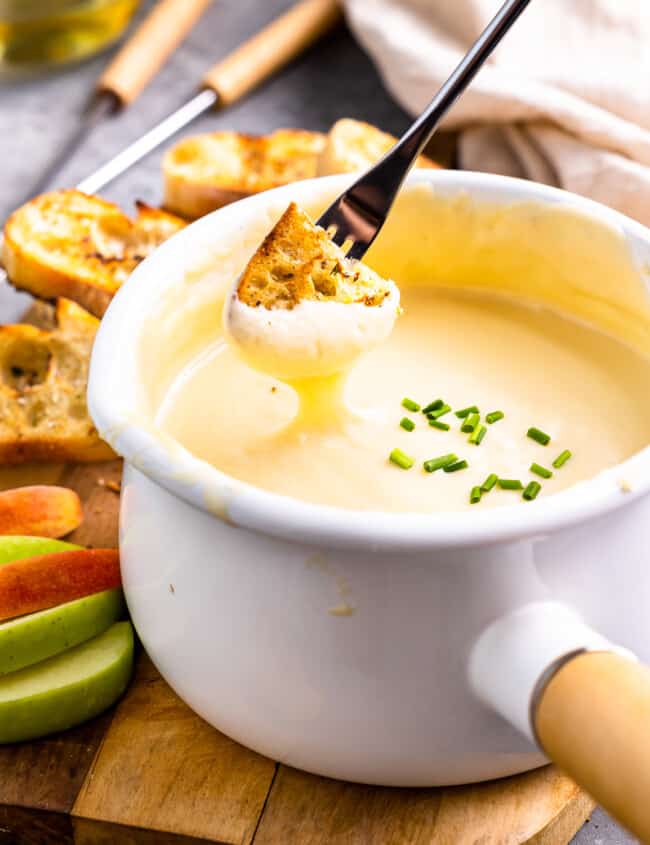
(150,771)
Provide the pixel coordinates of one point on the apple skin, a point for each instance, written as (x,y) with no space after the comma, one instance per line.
(36,583)
(39,636)
(20,547)
(68,689)
(42,510)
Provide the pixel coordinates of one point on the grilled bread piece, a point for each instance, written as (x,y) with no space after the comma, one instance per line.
(43,375)
(81,247)
(301,309)
(205,172)
(298,261)
(353,145)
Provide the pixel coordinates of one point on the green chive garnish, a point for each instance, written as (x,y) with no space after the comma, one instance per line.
(489,482)
(470,423)
(494,416)
(540,470)
(455,467)
(475,495)
(561,459)
(400,458)
(410,405)
(407,424)
(465,412)
(439,412)
(433,406)
(531,491)
(477,435)
(510,484)
(440,463)
(539,435)
(443,426)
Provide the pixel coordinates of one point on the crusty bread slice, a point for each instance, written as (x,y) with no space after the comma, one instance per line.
(43,376)
(69,244)
(298,261)
(205,172)
(353,145)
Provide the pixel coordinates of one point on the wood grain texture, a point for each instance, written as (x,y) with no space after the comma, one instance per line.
(162,767)
(515,811)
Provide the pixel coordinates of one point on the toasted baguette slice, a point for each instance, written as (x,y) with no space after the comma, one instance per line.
(353,145)
(43,375)
(298,261)
(81,247)
(205,172)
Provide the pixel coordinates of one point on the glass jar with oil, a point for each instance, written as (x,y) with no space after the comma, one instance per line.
(36,34)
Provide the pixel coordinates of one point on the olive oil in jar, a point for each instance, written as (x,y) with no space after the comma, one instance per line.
(41,33)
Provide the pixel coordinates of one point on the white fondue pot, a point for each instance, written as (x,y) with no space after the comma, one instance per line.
(477,638)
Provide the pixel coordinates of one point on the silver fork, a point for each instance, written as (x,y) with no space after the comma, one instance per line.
(359,213)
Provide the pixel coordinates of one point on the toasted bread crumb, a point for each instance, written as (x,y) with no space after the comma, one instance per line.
(298,261)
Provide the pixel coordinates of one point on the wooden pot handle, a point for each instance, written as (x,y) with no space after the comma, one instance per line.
(148,48)
(272,48)
(593,720)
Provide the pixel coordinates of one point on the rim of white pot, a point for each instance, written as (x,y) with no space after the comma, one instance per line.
(115,387)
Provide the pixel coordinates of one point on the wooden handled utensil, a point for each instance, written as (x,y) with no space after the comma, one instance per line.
(127,75)
(231,78)
(149,47)
(593,720)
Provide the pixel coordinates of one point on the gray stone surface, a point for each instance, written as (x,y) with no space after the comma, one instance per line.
(334,80)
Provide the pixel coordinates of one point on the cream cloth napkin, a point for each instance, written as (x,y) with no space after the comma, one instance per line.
(565,98)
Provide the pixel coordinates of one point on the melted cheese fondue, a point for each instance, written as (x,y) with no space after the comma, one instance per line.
(587,390)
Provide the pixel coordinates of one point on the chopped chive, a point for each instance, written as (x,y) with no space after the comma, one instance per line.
(440,463)
(539,435)
(407,424)
(540,470)
(470,423)
(489,482)
(400,458)
(433,406)
(477,435)
(561,459)
(510,484)
(531,491)
(439,412)
(475,495)
(465,412)
(443,426)
(494,416)
(455,467)
(410,404)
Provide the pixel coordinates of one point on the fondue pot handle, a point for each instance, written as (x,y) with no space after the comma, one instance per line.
(592,718)
(583,700)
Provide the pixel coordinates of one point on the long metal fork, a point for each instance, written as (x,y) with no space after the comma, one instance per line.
(358,214)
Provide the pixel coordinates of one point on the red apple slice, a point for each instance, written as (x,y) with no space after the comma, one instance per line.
(37,583)
(43,511)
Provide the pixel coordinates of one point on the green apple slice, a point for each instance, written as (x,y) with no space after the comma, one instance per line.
(67,689)
(38,636)
(17,548)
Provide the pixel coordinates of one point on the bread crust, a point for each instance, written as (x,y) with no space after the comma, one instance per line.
(353,145)
(298,261)
(205,172)
(68,244)
(43,377)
